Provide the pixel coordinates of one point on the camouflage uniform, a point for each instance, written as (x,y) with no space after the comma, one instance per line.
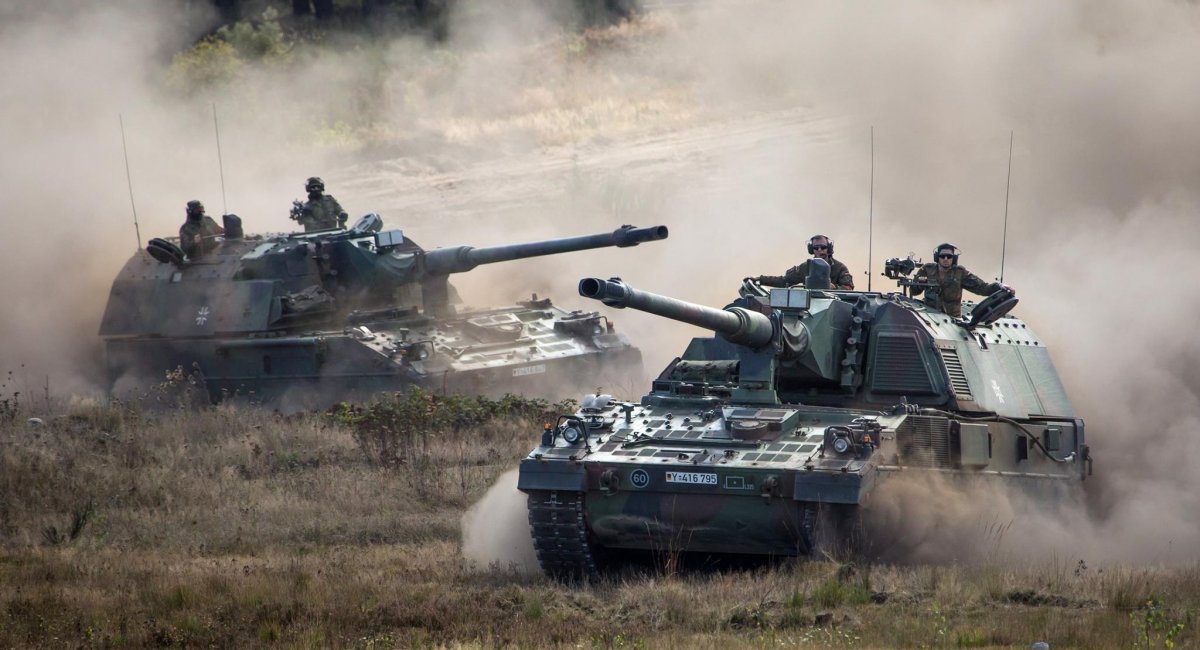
(321,212)
(947,295)
(204,226)
(839,276)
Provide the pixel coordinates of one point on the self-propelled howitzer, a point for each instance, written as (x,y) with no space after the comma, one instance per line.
(368,273)
(768,437)
(307,319)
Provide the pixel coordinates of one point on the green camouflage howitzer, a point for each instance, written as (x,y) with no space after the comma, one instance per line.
(770,437)
(303,319)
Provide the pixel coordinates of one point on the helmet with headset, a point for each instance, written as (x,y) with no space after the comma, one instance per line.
(946,246)
(195,209)
(829,241)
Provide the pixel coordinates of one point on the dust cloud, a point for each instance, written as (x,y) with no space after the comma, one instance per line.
(744,126)
(496,529)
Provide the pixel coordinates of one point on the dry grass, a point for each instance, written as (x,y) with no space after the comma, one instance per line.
(238,527)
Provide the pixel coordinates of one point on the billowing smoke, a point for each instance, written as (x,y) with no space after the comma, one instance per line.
(496,529)
(744,126)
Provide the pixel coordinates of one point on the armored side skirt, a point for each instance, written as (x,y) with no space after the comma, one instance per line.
(725,510)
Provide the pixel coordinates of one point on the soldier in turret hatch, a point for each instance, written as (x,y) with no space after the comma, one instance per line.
(198,235)
(950,279)
(819,246)
(321,211)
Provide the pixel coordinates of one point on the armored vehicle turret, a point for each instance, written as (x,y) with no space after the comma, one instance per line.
(310,319)
(771,436)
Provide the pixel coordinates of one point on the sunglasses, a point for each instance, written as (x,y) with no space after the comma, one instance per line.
(946,256)
(820,247)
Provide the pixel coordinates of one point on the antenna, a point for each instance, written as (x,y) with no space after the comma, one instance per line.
(871,212)
(1007,186)
(129,180)
(220,165)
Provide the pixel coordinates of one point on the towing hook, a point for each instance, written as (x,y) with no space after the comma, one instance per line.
(770,488)
(610,481)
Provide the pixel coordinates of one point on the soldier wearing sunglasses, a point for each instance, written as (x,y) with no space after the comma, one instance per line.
(949,280)
(819,246)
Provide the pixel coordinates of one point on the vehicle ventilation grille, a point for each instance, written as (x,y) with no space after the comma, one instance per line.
(958,378)
(924,441)
(898,367)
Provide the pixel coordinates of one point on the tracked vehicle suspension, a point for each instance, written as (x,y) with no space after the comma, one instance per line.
(558,522)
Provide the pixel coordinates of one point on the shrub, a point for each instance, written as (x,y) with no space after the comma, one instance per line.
(262,41)
(1155,626)
(395,429)
(209,63)
(222,57)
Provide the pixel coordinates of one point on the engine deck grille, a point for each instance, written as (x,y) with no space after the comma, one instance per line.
(924,441)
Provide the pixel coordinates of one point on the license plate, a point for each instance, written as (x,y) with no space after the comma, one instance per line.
(529,370)
(692,478)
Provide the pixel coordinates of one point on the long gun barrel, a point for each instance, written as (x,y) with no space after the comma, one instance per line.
(459,259)
(737,324)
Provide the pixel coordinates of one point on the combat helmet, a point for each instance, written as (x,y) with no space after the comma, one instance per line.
(314,184)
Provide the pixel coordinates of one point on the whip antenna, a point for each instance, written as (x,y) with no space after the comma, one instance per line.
(1007,187)
(129,180)
(220,165)
(871,212)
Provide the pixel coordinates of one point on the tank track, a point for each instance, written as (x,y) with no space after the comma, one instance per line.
(558,521)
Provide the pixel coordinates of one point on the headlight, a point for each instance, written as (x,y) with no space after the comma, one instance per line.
(841,445)
(572,434)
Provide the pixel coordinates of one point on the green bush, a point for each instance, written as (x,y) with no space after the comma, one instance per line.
(394,429)
(262,41)
(223,57)
(209,63)
(1155,626)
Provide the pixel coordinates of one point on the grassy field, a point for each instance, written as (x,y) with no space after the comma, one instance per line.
(232,526)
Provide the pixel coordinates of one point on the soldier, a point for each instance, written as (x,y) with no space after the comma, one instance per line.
(197,235)
(821,247)
(321,211)
(950,279)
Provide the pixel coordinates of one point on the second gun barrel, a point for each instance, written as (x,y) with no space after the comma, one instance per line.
(460,259)
(737,324)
